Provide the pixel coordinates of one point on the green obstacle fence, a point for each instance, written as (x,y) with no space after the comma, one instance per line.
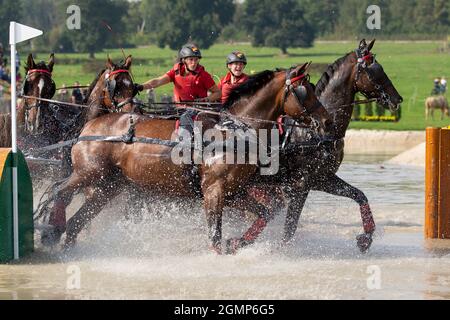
(25,218)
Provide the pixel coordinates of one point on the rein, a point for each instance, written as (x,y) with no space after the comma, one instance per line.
(359,102)
(73,87)
(183,106)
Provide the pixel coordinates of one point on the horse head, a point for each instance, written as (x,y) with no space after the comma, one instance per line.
(372,81)
(300,101)
(39,84)
(118,90)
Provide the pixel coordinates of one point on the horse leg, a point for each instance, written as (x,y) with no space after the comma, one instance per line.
(97,196)
(297,201)
(57,219)
(265,211)
(213,206)
(336,186)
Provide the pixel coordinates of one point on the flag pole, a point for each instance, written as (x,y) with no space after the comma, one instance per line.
(12,38)
(17,33)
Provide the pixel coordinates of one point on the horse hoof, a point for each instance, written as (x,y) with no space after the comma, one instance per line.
(364,242)
(216,248)
(68,246)
(232,246)
(51,236)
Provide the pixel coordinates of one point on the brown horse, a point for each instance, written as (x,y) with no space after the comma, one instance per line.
(315,168)
(98,165)
(37,115)
(33,116)
(111,91)
(439,102)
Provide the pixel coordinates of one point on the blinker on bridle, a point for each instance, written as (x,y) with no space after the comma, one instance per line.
(363,63)
(111,89)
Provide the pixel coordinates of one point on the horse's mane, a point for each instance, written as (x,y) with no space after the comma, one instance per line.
(92,85)
(328,74)
(249,87)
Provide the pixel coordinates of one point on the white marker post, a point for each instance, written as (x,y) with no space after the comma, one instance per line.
(17,33)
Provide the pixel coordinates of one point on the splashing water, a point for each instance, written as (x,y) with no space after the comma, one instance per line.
(157,249)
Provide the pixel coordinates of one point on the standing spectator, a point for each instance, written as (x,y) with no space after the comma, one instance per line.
(63,94)
(77,96)
(4,73)
(85,92)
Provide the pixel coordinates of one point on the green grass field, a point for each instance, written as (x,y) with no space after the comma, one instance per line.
(411,66)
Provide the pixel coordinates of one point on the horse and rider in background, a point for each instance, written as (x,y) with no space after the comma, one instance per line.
(437,100)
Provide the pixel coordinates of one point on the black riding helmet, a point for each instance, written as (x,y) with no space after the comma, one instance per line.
(236,56)
(189,50)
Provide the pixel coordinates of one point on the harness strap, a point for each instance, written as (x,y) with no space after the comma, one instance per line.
(297,78)
(40,71)
(124,139)
(118,71)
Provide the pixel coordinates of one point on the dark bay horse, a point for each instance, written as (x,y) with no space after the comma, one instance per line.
(99,167)
(357,71)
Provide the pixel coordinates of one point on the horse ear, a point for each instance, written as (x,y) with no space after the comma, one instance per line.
(370,46)
(303,68)
(308,66)
(128,62)
(363,44)
(109,64)
(51,62)
(30,62)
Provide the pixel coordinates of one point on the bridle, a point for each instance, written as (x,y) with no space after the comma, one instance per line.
(25,85)
(299,92)
(37,104)
(110,89)
(366,62)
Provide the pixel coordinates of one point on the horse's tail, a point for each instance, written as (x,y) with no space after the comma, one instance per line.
(5,130)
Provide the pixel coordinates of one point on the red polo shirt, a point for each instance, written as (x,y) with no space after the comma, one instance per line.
(192,86)
(226,86)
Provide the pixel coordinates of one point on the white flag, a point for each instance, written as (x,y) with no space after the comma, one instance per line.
(19,32)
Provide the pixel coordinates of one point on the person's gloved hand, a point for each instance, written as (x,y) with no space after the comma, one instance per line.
(138,87)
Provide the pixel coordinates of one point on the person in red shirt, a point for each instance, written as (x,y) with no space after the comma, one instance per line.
(236,62)
(191,82)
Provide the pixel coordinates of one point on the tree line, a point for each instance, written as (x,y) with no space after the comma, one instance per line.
(277,23)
